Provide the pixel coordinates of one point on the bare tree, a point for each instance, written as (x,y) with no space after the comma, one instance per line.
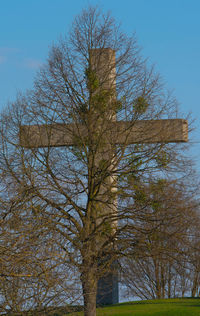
(158,265)
(93,78)
(30,278)
(194,259)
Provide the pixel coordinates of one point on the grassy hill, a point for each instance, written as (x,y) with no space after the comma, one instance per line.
(171,307)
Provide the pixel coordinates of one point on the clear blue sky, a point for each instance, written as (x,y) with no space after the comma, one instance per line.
(167,30)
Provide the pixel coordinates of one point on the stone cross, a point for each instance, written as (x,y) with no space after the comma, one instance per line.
(119,132)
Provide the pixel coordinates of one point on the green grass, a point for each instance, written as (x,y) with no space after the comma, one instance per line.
(170,307)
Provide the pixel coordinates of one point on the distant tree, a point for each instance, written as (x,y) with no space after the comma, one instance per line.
(158,266)
(194,258)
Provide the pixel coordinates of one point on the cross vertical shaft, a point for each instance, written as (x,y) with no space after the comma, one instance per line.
(103,66)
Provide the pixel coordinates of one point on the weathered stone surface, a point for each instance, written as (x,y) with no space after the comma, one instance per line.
(154,131)
(108,290)
(103,64)
(54,135)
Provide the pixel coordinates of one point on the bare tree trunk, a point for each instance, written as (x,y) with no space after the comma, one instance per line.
(169,281)
(194,285)
(157,279)
(162,272)
(89,286)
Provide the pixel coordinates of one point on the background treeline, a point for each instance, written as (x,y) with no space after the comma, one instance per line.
(165,259)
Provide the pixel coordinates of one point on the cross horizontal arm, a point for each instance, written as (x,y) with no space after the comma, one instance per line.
(152,131)
(121,132)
